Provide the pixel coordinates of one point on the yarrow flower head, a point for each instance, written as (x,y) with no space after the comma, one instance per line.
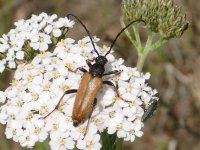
(160,16)
(38,86)
(35,34)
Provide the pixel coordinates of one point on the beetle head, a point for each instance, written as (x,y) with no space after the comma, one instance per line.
(102,60)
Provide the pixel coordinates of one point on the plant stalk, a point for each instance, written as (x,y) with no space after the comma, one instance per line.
(119,144)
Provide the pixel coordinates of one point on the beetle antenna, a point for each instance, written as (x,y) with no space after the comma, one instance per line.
(85,30)
(122,32)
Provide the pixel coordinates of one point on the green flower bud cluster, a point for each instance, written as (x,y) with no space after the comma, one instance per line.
(160,16)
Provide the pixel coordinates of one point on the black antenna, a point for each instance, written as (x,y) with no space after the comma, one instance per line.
(85,30)
(122,32)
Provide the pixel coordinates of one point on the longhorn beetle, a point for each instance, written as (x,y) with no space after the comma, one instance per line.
(91,82)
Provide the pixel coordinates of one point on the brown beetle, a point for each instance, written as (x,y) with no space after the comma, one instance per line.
(91,82)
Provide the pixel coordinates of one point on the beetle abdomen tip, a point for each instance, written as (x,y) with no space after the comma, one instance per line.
(75,123)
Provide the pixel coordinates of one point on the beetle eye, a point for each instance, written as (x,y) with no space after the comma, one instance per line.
(96,59)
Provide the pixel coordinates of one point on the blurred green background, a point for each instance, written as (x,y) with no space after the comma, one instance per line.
(174,67)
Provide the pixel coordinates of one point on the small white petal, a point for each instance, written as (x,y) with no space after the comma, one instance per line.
(2,97)
(43,46)
(139,133)
(48,29)
(20,55)
(57,32)
(81,144)
(121,134)
(111,130)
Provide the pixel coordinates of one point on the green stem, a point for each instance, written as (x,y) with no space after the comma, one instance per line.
(136,41)
(149,40)
(137,37)
(75,148)
(40,146)
(149,48)
(141,59)
(127,32)
(108,141)
(119,144)
(158,44)
(143,54)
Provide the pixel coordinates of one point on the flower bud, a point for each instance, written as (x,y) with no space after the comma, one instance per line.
(160,16)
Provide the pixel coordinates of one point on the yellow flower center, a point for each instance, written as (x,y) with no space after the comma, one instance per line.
(37,130)
(56,74)
(43,109)
(30,78)
(62,41)
(14,132)
(65,87)
(69,66)
(34,96)
(15,82)
(61,141)
(55,126)
(29,116)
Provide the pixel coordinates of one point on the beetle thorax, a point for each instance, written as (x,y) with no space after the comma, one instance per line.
(97,70)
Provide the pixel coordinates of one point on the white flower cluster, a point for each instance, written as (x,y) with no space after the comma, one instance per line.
(38,86)
(36,32)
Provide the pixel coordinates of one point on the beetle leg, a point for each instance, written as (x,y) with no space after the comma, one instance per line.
(57,106)
(79,68)
(115,88)
(82,69)
(89,118)
(116,72)
(88,63)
